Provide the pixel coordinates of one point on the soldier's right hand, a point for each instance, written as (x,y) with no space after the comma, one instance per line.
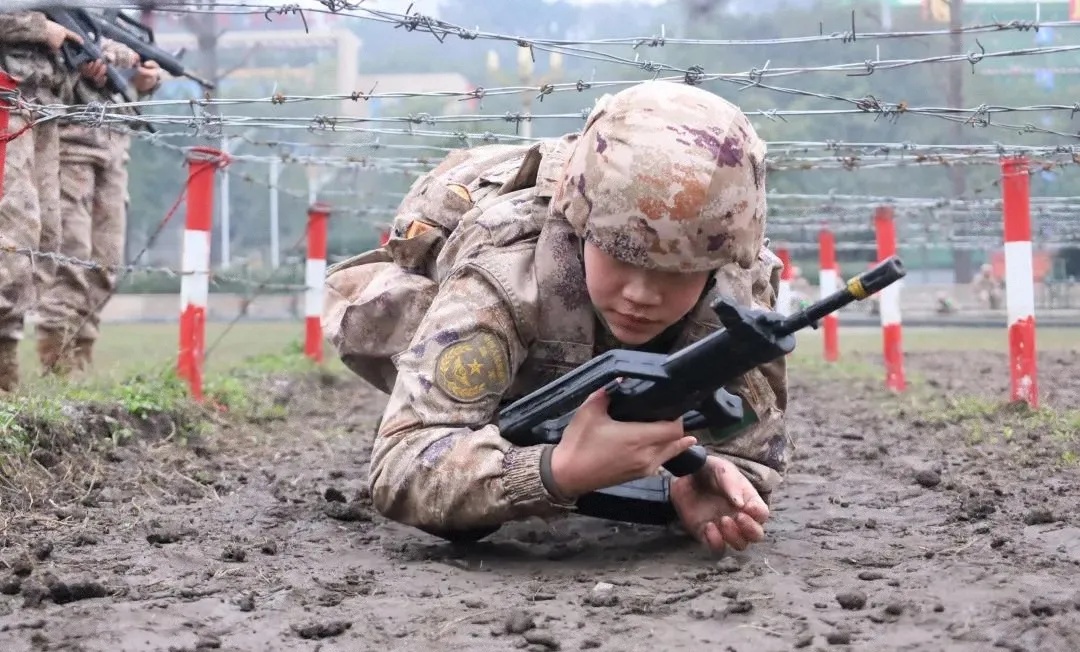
(56,34)
(596,451)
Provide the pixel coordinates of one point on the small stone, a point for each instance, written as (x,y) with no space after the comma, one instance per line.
(233,553)
(519,622)
(333,495)
(928,479)
(1039,516)
(22,567)
(728,565)
(42,550)
(805,640)
(269,547)
(894,609)
(871,576)
(10,586)
(838,638)
(1040,607)
(246,602)
(602,595)
(542,637)
(851,600)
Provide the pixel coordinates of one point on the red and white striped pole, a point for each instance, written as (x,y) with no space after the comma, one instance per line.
(829,281)
(885,228)
(314,277)
(1019,279)
(783,297)
(195,265)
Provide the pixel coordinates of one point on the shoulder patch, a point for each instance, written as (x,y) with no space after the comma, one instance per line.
(476,367)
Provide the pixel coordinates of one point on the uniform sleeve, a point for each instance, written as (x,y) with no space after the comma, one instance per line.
(439,463)
(762,449)
(23,27)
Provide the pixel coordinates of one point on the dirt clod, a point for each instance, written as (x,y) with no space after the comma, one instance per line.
(928,478)
(64,592)
(1039,516)
(851,600)
(519,622)
(165,535)
(327,629)
(42,549)
(353,512)
(544,638)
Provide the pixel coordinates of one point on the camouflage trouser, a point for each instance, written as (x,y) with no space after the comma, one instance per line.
(94,204)
(29,219)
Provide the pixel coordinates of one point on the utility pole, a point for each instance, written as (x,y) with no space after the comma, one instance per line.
(963,269)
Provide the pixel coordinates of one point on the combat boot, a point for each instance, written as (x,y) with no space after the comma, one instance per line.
(9,365)
(84,354)
(54,358)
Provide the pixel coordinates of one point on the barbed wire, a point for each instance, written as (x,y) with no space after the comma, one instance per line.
(441,30)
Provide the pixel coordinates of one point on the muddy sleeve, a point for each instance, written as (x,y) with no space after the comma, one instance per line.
(439,463)
(762,447)
(23,27)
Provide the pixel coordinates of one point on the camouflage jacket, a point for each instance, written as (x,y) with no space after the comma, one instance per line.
(25,55)
(506,312)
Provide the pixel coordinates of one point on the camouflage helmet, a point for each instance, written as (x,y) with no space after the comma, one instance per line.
(667,176)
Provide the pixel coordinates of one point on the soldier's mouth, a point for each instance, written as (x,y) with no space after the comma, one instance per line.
(633,320)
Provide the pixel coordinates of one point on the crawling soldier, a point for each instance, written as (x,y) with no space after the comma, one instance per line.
(510,266)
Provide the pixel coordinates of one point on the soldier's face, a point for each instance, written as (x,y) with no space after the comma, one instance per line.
(638,304)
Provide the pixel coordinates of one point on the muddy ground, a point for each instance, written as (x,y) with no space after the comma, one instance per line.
(901,528)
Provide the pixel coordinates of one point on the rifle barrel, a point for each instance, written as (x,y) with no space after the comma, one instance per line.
(858,288)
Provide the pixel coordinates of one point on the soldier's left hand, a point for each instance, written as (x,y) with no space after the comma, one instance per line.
(719,506)
(147,76)
(95,71)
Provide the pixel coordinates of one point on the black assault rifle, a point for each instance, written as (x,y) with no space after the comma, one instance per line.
(122,28)
(75,55)
(688,383)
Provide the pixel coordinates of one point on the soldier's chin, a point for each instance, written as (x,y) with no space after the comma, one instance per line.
(631,337)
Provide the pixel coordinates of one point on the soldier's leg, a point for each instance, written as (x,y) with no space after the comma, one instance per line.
(108,235)
(20,228)
(47,175)
(63,303)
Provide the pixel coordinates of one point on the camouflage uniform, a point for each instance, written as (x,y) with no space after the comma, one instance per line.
(508,309)
(987,288)
(93,171)
(30,202)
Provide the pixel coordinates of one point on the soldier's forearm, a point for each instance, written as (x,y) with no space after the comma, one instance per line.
(23,27)
(443,480)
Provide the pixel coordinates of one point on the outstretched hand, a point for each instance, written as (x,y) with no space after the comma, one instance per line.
(719,506)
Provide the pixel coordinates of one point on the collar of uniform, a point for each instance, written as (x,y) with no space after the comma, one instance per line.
(554,153)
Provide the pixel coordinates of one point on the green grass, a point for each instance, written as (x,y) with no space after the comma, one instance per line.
(981,419)
(134,386)
(869,340)
(126,349)
(135,363)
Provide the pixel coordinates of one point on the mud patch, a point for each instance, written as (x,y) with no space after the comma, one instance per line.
(943,522)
